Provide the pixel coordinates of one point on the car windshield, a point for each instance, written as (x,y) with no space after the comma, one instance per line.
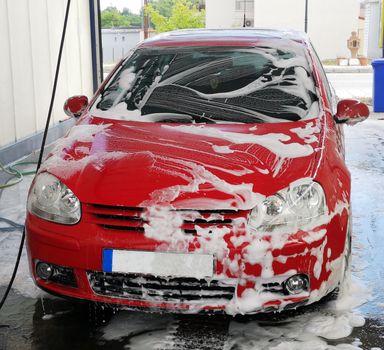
(211,85)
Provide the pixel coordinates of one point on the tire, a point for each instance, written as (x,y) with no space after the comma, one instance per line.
(348,249)
(99,313)
(347,261)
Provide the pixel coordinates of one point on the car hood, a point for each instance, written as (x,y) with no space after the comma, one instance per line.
(191,166)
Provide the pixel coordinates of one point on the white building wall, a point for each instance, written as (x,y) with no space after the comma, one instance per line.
(30,33)
(118,42)
(280,14)
(330,22)
(220,13)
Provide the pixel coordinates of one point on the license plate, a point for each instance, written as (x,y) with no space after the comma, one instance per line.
(162,264)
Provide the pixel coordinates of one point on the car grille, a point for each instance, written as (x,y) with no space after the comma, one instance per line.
(132,219)
(274,287)
(150,288)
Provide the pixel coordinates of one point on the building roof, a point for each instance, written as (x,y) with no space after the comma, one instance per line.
(120,30)
(222,37)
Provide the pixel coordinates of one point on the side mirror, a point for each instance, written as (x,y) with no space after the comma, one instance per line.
(75,106)
(351,112)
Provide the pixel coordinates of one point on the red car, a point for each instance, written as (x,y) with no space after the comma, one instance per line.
(206,174)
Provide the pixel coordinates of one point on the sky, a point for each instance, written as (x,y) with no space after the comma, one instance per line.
(133,5)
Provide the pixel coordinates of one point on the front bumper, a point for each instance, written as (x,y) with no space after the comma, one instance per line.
(247,286)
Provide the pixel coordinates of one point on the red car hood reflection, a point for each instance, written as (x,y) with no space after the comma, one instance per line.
(194,166)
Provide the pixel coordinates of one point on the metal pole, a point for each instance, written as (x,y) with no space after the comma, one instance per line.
(244,20)
(96,43)
(146,21)
(306,17)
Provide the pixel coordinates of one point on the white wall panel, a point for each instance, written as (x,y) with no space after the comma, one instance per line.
(22,69)
(7,112)
(41,59)
(30,33)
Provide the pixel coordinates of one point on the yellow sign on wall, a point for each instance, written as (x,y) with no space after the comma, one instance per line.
(382,25)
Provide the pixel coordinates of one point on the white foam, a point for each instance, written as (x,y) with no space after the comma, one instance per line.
(308,132)
(309,330)
(242,195)
(222,149)
(145,331)
(300,84)
(274,142)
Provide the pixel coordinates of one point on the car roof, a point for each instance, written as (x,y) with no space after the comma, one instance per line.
(223,37)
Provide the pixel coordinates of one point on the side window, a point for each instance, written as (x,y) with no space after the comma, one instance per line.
(328,89)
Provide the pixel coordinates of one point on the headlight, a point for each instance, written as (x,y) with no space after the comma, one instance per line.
(300,206)
(51,200)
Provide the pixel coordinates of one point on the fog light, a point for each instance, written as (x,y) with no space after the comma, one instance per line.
(44,270)
(296,284)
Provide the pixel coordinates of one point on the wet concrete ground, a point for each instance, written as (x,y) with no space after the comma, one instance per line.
(39,321)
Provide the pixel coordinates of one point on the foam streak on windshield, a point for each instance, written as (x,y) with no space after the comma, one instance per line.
(264,84)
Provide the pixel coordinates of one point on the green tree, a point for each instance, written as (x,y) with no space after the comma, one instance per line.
(111,18)
(164,7)
(134,20)
(184,14)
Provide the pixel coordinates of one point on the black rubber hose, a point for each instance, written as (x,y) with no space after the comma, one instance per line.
(41,148)
(13,226)
(5,296)
(54,87)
